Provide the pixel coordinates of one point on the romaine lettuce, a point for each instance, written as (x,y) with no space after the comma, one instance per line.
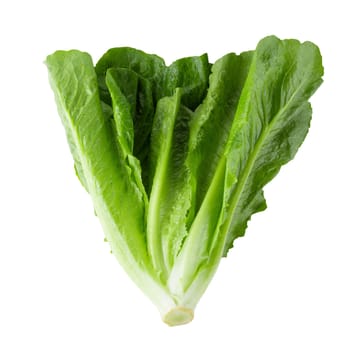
(175,157)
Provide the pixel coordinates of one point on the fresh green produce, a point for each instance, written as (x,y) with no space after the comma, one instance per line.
(175,157)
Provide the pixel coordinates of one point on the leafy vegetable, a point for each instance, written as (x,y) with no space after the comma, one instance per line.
(175,157)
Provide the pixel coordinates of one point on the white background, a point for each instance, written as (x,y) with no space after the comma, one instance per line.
(284,286)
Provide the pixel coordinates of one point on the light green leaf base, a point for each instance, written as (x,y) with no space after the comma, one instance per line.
(178,316)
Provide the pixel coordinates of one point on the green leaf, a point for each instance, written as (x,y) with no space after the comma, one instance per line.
(106,174)
(271,122)
(209,130)
(149,67)
(111,175)
(211,123)
(122,85)
(171,195)
(191,74)
(268,122)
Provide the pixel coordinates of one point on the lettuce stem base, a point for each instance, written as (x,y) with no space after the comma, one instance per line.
(178,316)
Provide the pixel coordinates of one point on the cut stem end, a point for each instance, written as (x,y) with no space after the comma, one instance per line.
(178,316)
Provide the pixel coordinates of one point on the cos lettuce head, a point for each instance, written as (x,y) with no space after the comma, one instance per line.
(175,157)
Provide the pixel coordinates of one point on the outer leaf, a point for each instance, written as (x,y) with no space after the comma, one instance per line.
(271,122)
(117,198)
